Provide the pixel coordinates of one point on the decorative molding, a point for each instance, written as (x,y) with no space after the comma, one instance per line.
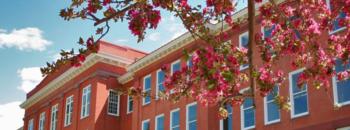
(73,72)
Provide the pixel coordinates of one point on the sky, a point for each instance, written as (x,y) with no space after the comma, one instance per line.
(32,33)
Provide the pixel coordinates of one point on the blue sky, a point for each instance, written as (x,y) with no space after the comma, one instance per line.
(32,33)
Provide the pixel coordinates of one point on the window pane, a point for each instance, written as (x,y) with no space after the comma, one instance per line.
(175,118)
(130,103)
(192,113)
(146,125)
(336,24)
(161,77)
(249,117)
(295,83)
(273,111)
(343,91)
(272,94)
(189,61)
(300,103)
(160,123)
(248,102)
(192,126)
(268,31)
(244,41)
(176,66)
(147,83)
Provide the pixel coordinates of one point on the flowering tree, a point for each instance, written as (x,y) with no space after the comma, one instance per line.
(215,78)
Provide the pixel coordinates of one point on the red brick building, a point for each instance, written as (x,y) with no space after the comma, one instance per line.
(85,98)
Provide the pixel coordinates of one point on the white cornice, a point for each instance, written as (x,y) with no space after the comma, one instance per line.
(72,73)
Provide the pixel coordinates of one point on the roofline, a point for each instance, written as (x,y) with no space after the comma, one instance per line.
(71,73)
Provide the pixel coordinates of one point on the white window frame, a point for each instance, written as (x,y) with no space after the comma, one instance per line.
(242,67)
(331,32)
(242,113)
(267,122)
(187,115)
(156,121)
(171,118)
(144,89)
(157,84)
(143,123)
(335,92)
(118,103)
(31,124)
(68,116)
(54,117)
(344,128)
(292,112)
(130,99)
(42,117)
(87,105)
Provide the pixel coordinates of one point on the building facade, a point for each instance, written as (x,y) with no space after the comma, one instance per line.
(86,98)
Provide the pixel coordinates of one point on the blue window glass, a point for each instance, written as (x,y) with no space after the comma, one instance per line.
(130,103)
(160,81)
(299,96)
(273,113)
(248,114)
(145,125)
(176,66)
(192,117)
(160,123)
(243,42)
(175,120)
(336,24)
(268,31)
(189,61)
(343,86)
(147,89)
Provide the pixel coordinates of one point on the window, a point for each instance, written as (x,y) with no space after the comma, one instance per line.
(85,106)
(42,121)
(298,95)
(272,111)
(228,120)
(341,89)
(145,125)
(336,27)
(160,81)
(147,89)
(191,114)
(243,43)
(248,114)
(31,124)
(160,122)
(175,119)
(69,110)
(130,104)
(113,103)
(54,112)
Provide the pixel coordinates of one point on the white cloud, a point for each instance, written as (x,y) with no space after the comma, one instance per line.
(30,77)
(11,116)
(154,36)
(175,27)
(24,39)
